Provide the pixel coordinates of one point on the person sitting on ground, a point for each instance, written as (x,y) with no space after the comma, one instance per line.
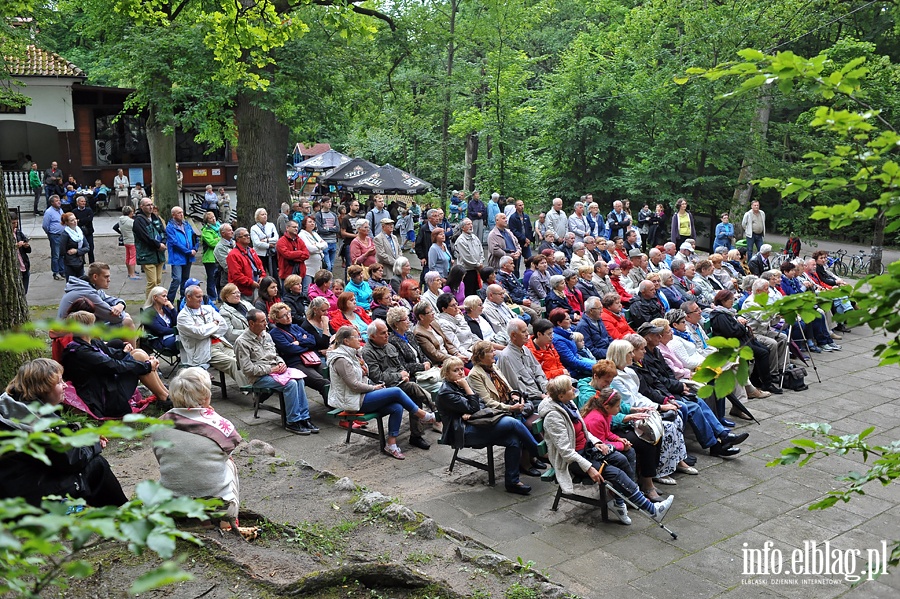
(294,297)
(108,309)
(194,455)
(576,365)
(430,336)
(576,453)
(104,377)
(321,287)
(268,294)
(265,369)
(352,391)
(388,366)
(541,346)
(294,344)
(160,320)
(612,316)
(457,403)
(349,314)
(80,472)
(623,379)
(646,306)
(600,416)
(202,332)
(358,287)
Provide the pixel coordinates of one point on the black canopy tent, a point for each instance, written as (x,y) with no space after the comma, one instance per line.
(386,180)
(325,161)
(356,168)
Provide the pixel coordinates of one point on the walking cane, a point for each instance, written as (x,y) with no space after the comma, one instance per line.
(609,487)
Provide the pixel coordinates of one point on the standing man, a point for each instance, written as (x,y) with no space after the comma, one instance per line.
(292,253)
(502,243)
(387,247)
(53,181)
(477,212)
(493,209)
(225,245)
(201,332)
(149,243)
(618,221)
(348,232)
(328,227)
(556,219)
(754,224)
(85,217)
(182,243)
(53,227)
(578,223)
(520,227)
(259,361)
(245,269)
(423,239)
(376,215)
(34,181)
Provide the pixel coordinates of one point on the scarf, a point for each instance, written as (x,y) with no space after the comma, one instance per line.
(206,423)
(683,334)
(75,234)
(240,307)
(501,386)
(571,410)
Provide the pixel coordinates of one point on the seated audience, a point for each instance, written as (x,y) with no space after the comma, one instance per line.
(294,297)
(410,294)
(612,316)
(268,294)
(539,283)
(160,320)
(297,347)
(358,287)
(541,346)
(405,343)
(433,285)
(646,305)
(322,287)
(457,402)
(349,314)
(352,391)
(234,310)
(432,340)
(202,333)
(478,324)
(317,324)
(382,301)
(108,309)
(454,325)
(577,366)
(80,472)
(454,283)
(518,364)
(556,297)
(402,269)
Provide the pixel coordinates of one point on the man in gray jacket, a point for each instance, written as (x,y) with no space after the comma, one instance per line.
(225,245)
(260,363)
(519,366)
(201,330)
(556,220)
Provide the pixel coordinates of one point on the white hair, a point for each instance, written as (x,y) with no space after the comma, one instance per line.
(765,248)
(513,325)
(373,327)
(399,263)
(191,388)
(495,196)
(591,303)
(505,260)
(431,275)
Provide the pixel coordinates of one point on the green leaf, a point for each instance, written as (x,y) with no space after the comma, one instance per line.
(725,383)
(79,569)
(705,392)
(166,574)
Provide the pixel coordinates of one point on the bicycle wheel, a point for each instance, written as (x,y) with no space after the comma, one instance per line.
(775,262)
(840,269)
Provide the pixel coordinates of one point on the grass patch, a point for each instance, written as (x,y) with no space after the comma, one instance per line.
(316,539)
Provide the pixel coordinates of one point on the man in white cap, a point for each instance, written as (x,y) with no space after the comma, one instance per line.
(387,247)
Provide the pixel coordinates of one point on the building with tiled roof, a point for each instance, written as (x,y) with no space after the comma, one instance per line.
(42,63)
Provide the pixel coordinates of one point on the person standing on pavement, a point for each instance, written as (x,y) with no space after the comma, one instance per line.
(376,215)
(225,245)
(182,243)
(328,227)
(245,269)
(121,185)
(125,228)
(53,181)
(477,212)
(754,225)
(265,238)
(556,219)
(150,243)
(520,227)
(23,248)
(53,227)
(85,217)
(37,186)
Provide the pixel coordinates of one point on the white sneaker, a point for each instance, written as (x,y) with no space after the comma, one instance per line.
(835,347)
(662,508)
(620,511)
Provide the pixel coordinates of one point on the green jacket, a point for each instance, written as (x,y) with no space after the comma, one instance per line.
(148,234)
(34,179)
(209,239)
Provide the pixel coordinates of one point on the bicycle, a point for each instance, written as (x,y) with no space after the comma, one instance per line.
(861,263)
(836,263)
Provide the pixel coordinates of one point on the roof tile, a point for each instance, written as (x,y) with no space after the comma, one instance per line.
(42,63)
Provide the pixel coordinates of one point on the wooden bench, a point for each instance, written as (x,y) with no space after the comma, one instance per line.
(261,394)
(220,382)
(549,476)
(350,417)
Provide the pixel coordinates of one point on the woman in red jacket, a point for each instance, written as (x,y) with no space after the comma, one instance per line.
(541,345)
(612,317)
(348,314)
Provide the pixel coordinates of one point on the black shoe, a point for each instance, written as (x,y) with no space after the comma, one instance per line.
(519,489)
(298,428)
(724,452)
(312,427)
(729,439)
(529,471)
(690,460)
(419,442)
(539,464)
(773,390)
(727,422)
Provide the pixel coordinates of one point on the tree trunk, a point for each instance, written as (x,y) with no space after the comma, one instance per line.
(13,305)
(445,118)
(877,244)
(471,162)
(758,130)
(262,143)
(162,161)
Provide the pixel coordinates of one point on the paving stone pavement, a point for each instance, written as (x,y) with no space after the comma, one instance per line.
(731,503)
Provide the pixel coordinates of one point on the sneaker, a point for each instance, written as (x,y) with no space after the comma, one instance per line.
(312,427)
(835,347)
(394,452)
(815,349)
(298,428)
(662,508)
(620,511)
(429,417)
(826,347)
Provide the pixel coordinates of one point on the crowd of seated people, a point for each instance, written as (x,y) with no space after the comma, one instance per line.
(624,328)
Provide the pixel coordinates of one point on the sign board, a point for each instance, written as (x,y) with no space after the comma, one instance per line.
(136,175)
(199,172)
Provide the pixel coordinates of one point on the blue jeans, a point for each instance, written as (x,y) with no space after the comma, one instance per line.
(328,256)
(511,434)
(212,276)
(754,239)
(725,241)
(180,274)
(390,402)
(56,262)
(295,401)
(703,420)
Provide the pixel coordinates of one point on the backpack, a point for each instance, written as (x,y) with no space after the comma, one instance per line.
(794,378)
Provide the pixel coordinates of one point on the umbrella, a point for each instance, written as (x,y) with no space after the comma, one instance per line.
(354,169)
(390,180)
(323,162)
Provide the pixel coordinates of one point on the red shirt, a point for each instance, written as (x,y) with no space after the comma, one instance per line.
(291,253)
(616,325)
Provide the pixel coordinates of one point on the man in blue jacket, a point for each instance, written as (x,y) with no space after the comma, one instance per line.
(182,245)
(596,338)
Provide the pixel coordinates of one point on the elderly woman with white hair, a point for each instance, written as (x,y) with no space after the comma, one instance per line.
(362,248)
(626,381)
(264,236)
(469,254)
(195,456)
(556,297)
(580,257)
(401,269)
(479,325)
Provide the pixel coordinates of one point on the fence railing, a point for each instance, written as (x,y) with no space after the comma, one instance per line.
(15,183)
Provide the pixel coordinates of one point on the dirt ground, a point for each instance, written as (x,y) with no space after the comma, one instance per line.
(313,543)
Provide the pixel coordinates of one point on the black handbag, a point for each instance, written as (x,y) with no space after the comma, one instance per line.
(795,378)
(485,417)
